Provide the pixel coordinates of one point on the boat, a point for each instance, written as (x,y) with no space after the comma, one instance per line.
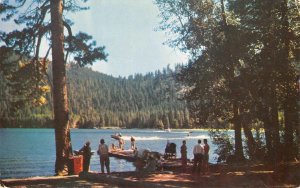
(129,155)
(76,152)
(116,136)
(123,154)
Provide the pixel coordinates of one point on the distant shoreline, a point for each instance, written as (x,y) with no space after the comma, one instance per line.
(124,128)
(118,128)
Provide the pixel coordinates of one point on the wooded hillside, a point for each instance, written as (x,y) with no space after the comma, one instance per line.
(99,100)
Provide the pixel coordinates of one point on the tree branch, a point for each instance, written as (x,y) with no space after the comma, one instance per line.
(22,4)
(70,35)
(41,33)
(45,70)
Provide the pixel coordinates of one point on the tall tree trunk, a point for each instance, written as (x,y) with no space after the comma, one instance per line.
(275,124)
(60,99)
(298,135)
(268,133)
(290,102)
(239,154)
(271,126)
(298,127)
(290,116)
(252,146)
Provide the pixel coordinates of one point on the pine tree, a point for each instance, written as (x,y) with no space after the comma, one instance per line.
(26,42)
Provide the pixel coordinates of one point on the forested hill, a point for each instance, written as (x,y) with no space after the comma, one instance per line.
(137,101)
(99,100)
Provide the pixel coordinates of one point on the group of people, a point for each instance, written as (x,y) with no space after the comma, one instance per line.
(201,156)
(200,151)
(122,142)
(103,152)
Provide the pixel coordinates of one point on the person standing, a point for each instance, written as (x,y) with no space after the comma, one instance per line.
(86,152)
(121,141)
(205,156)
(183,151)
(104,157)
(198,152)
(132,140)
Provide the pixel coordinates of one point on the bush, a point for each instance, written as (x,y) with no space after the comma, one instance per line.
(224,144)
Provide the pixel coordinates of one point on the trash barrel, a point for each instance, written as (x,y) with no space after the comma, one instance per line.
(75,165)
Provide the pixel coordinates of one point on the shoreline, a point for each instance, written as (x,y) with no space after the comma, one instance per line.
(124,128)
(286,175)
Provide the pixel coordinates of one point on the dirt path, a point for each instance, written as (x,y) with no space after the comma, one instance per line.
(234,176)
(51,182)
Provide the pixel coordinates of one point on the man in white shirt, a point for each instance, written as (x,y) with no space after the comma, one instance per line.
(198,157)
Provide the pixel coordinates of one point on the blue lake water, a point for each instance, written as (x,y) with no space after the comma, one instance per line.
(31,152)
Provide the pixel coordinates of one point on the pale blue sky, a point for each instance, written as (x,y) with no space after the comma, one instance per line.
(127,29)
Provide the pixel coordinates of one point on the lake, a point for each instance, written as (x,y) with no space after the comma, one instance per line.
(31,152)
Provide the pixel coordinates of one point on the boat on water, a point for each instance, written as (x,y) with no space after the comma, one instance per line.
(132,156)
(123,154)
(77,152)
(117,137)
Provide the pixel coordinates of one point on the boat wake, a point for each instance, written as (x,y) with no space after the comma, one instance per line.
(127,138)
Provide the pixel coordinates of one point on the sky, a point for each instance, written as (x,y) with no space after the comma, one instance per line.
(127,29)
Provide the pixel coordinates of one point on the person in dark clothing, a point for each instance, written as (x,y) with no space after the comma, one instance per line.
(205,156)
(132,140)
(86,152)
(183,151)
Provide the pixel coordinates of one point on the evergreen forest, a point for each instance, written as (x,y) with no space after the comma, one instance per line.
(242,73)
(97,100)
